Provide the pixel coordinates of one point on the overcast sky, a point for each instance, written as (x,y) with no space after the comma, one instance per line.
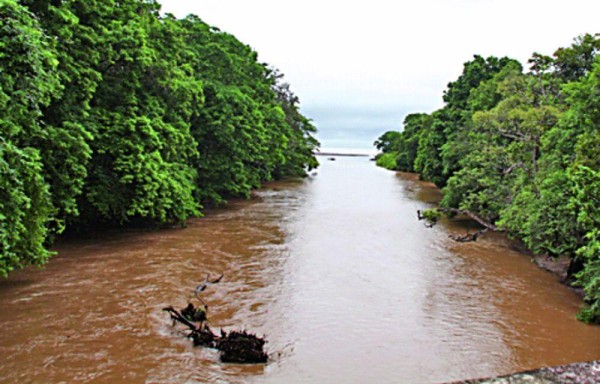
(360,67)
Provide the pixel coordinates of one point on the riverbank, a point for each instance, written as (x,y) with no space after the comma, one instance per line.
(576,373)
(557,266)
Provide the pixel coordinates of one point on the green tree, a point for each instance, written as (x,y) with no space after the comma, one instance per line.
(143,143)
(400,148)
(475,90)
(25,208)
(298,156)
(576,61)
(388,141)
(249,129)
(428,162)
(112,114)
(27,81)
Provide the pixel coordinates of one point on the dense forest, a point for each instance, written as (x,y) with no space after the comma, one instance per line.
(518,152)
(112,114)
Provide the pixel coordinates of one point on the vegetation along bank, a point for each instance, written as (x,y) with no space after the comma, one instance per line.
(112,115)
(519,152)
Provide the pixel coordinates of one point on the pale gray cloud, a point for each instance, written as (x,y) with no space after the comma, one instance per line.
(355,126)
(360,67)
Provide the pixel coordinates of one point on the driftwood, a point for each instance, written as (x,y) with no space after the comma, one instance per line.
(235,346)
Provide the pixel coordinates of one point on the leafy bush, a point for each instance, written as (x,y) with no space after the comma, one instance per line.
(387,160)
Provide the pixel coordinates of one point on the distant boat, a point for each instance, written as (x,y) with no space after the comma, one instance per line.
(331,158)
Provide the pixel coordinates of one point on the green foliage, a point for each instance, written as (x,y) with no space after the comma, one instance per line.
(249,129)
(414,124)
(27,82)
(540,216)
(387,160)
(585,200)
(64,141)
(111,114)
(474,73)
(428,161)
(28,79)
(298,154)
(476,89)
(432,216)
(25,208)
(388,141)
(142,143)
(399,149)
(576,61)
(589,277)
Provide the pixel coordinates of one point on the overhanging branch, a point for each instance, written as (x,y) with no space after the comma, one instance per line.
(473,216)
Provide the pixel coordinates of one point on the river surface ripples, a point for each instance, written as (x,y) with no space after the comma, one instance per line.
(335,270)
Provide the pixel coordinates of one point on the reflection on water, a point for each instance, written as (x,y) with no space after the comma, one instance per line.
(335,270)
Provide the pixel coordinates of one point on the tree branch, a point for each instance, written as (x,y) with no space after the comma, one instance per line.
(175,315)
(513,167)
(473,216)
(515,135)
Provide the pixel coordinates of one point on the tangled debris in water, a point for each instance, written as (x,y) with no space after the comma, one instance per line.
(241,347)
(235,346)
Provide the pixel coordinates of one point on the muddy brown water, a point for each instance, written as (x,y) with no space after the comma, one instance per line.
(335,270)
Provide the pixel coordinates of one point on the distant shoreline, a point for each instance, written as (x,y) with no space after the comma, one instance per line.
(341,154)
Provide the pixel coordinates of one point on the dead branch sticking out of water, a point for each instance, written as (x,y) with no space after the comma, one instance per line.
(235,346)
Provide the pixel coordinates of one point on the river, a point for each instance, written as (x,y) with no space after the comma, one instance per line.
(335,270)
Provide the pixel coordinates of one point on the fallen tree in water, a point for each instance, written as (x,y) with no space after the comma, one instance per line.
(432,216)
(235,346)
